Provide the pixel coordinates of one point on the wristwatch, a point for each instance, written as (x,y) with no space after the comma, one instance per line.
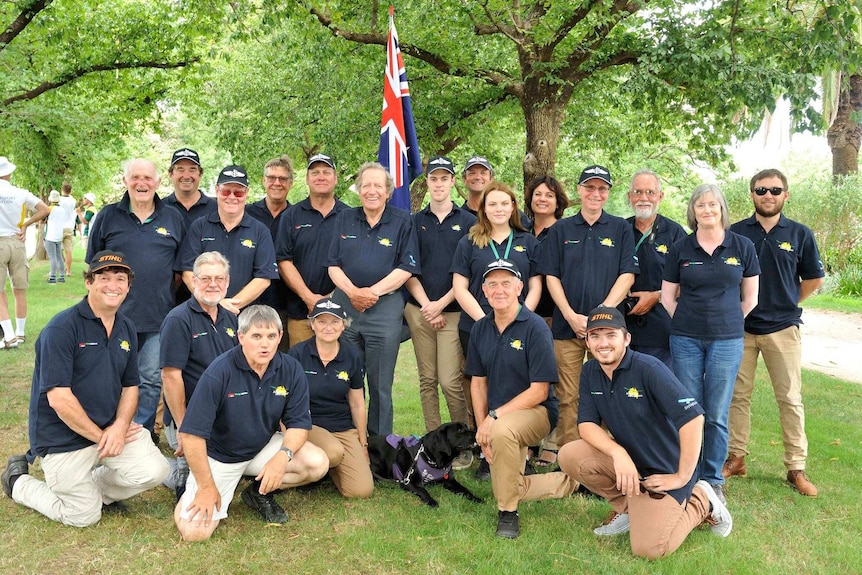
(492,414)
(289,453)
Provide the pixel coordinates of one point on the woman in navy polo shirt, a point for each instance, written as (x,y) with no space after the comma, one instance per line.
(714,274)
(336,395)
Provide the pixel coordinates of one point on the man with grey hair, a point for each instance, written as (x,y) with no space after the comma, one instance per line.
(150,233)
(193,334)
(249,415)
(648,323)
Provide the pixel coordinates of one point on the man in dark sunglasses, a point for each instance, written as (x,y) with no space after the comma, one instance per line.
(244,241)
(792,271)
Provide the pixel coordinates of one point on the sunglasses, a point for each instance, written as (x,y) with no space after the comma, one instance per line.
(237,193)
(774,191)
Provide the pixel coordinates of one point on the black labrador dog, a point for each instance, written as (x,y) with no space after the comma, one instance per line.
(415,462)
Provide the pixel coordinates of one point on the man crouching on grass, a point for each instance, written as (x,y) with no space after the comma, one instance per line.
(249,415)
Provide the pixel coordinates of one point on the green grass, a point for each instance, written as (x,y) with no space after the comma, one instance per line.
(775,529)
(835,303)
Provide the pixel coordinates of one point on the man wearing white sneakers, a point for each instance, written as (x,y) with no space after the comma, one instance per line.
(646,470)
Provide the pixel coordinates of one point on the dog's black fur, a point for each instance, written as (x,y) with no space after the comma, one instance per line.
(442,446)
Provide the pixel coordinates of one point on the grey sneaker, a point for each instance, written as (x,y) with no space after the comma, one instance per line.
(615,524)
(719,492)
(463,461)
(720,520)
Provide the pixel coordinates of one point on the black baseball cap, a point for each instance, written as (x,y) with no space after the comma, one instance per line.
(185,154)
(502,264)
(233,174)
(440,163)
(322,158)
(109,259)
(596,171)
(326,305)
(603,316)
(478,161)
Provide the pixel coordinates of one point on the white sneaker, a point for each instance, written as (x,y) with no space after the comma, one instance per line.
(615,524)
(720,520)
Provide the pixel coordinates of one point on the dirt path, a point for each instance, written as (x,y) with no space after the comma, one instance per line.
(832,343)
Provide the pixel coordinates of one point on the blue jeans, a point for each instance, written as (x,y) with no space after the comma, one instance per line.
(55,256)
(151,379)
(707,369)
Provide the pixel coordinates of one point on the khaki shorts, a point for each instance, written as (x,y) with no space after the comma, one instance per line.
(14,263)
(68,240)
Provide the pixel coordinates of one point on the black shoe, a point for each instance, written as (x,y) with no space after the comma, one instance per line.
(483,472)
(265,505)
(16,466)
(181,486)
(508,524)
(115,508)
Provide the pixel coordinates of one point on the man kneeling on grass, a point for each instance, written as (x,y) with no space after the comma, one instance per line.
(646,470)
(249,415)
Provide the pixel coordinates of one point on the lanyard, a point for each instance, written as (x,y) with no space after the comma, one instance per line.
(508,246)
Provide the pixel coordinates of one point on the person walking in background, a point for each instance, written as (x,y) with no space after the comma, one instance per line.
(54,238)
(68,205)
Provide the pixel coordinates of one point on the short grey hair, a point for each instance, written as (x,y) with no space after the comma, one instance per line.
(390,182)
(698,193)
(259,316)
(211,258)
(646,172)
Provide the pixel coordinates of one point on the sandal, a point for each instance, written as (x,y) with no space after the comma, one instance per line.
(543,462)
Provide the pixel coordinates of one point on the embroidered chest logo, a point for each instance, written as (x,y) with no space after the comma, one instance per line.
(197,335)
(280,391)
(347,237)
(386,242)
(247,244)
(785,246)
(568,242)
(124,345)
(342,375)
(230,332)
(456,228)
(661,248)
(517,344)
(731,261)
(607,242)
(633,393)
(519,248)
(300,226)
(163,232)
(231,395)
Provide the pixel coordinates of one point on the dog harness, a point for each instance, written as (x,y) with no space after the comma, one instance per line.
(428,469)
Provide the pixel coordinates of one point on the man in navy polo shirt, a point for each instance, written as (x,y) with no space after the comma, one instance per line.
(646,470)
(511,362)
(150,233)
(302,241)
(232,428)
(244,241)
(432,312)
(277,182)
(791,270)
(648,323)
(193,334)
(588,260)
(84,394)
(185,173)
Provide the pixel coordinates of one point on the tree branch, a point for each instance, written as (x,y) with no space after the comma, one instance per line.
(28,12)
(80,72)
(568,25)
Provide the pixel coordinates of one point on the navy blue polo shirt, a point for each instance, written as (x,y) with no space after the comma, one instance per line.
(512,360)
(74,351)
(437,243)
(546,305)
(788,254)
(275,296)
(329,385)
(248,247)
(653,328)
(189,341)
(708,307)
(203,207)
(587,259)
(470,261)
(367,255)
(304,236)
(644,406)
(237,412)
(151,247)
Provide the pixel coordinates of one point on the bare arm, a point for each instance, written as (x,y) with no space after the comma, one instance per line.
(291,276)
(576,321)
(690,439)
(808,287)
(360,298)
(627,475)
(669,295)
(618,291)
(750,288)
(356,400)
(534,292)
(468,303)
(391,282)
(42,211)
(207,496)
(247,294)
(271,476)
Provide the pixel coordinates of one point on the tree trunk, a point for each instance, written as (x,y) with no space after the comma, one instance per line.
(845,133)
(543,119)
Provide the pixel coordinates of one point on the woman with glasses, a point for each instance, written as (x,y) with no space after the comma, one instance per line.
(710,283)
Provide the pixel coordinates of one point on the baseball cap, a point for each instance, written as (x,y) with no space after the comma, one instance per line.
(6,167)
(233,174)
(185,154)
(478,161)
(603,316)
(323,158)
(502,264)
(440,163)
(326,305)
(91,197)
(109,259)
(596,171)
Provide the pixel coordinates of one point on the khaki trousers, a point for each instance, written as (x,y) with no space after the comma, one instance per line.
(298,331)
(570,354)
(782,354)
(349,467)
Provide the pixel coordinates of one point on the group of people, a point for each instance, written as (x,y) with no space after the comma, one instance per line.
(195,300)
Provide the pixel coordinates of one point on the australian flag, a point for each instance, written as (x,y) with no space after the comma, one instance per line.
(399,149)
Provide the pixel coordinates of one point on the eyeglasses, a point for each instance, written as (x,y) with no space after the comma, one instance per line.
(776,191)
(644,193)
(206,280)
(279,179)
(237,193)
(599,189)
